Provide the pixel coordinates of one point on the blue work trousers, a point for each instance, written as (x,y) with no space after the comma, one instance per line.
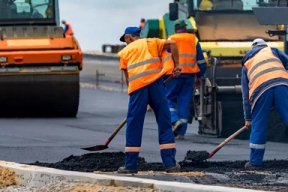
(179,92)
(276,96)
(154,95)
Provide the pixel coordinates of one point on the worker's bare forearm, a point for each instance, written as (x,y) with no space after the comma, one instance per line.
(126,77)
(175,54)
(174,51)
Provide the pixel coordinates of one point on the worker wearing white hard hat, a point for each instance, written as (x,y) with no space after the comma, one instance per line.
(264,83)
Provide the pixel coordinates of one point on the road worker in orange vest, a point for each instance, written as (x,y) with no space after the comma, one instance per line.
(67,28)
(180,90)
(264,83)
(141,63)
(142,23)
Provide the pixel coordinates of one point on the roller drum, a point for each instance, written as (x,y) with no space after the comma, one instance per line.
(39,95)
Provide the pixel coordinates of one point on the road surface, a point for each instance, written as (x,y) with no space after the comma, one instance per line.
(100,111)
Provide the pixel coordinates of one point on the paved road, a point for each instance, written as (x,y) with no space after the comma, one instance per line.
(100,111)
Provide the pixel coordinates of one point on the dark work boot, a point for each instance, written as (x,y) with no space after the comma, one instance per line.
(249,166)
(174,169)
(177,125)
(180,137)
(124,170)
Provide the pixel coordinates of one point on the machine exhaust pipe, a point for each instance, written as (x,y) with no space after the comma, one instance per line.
(201,110)
(236,89)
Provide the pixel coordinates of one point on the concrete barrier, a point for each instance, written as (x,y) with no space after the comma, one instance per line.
(34,176)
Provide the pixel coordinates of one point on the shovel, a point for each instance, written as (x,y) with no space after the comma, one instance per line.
(226,141)
(198,156)
(105,146)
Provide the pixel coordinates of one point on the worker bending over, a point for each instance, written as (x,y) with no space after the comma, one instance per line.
(180,90)
(67,28)
(141,63)
(264,83)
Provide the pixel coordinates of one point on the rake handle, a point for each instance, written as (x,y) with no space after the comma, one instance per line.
(226,141)
(125,120)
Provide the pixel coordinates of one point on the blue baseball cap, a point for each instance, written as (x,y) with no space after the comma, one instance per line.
(130,31)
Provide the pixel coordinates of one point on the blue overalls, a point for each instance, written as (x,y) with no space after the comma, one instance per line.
(154,95)
(180,91)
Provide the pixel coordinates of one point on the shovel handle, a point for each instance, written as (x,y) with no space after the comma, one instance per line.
(168,79)
(115,132)
(125,120)
(226,141)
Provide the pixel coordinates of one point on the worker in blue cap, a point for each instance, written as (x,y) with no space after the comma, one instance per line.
(141,62)
(133,32)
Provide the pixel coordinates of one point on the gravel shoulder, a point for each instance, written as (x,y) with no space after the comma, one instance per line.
(7,177)
(76,187)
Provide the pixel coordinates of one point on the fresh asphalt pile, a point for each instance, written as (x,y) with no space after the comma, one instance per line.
(274,175)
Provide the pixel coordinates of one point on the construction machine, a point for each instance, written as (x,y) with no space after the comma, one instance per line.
(40,65)
(225,29)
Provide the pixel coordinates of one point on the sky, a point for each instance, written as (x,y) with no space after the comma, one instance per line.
(98,22)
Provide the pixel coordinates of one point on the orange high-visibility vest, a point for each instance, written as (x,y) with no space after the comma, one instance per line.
(142,24)
(70,30)
(143,68)
(167,62)
(264,66)
(186,44)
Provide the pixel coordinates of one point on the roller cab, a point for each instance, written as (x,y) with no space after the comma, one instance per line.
(40,66)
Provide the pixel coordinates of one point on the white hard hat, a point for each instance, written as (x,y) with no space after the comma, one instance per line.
(258,42)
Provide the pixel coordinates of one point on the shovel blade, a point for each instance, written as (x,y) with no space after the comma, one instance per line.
(96,148)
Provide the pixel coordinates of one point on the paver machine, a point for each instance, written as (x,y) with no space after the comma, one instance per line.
(40,66)
(225,29)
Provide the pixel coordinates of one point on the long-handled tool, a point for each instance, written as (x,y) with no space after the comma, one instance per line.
(226,141)
(105,146)
(198,156)
(209,155)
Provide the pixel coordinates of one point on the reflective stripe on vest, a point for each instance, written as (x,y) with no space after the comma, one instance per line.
(182,55)
(264,66)
(70,30)
(145,73)
(187,54)
(143,68)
